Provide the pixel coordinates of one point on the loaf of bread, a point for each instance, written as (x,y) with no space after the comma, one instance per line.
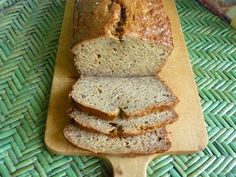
(119,106)
(149,143)
(121,37)
(122,127)
(109,97)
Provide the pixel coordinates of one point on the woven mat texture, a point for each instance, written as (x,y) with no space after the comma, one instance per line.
(29,32)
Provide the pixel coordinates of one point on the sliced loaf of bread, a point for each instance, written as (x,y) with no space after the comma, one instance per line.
(109,97)
(149,143)
(120,37)
(124,127)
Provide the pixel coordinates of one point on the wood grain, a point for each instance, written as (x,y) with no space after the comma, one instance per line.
(187,135)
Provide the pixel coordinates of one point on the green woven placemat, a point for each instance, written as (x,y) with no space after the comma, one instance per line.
(29,32)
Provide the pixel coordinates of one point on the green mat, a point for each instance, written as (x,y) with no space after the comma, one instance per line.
(29,32)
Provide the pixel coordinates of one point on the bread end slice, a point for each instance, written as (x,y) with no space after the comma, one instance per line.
(149,143)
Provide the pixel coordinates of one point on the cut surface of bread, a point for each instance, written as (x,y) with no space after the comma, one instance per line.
(149,143)
(124,127)
(109,97)
(120,37)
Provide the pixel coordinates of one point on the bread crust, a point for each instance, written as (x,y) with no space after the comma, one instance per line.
(93,111)
(113,116)
(142,19)
(164,133)
(128,133)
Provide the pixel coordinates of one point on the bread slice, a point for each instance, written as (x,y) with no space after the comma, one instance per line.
(120,37)
(148,143)
(123,127)
(109,97)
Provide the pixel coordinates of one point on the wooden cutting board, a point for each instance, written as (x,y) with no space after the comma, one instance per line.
(187,135)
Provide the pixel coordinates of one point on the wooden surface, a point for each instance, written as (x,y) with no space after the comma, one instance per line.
(187,135)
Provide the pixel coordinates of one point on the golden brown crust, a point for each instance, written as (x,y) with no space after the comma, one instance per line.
(164,133)
(95,112)
(109,116)
(150,110)
(127,134)
(143,19)
(93,19)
